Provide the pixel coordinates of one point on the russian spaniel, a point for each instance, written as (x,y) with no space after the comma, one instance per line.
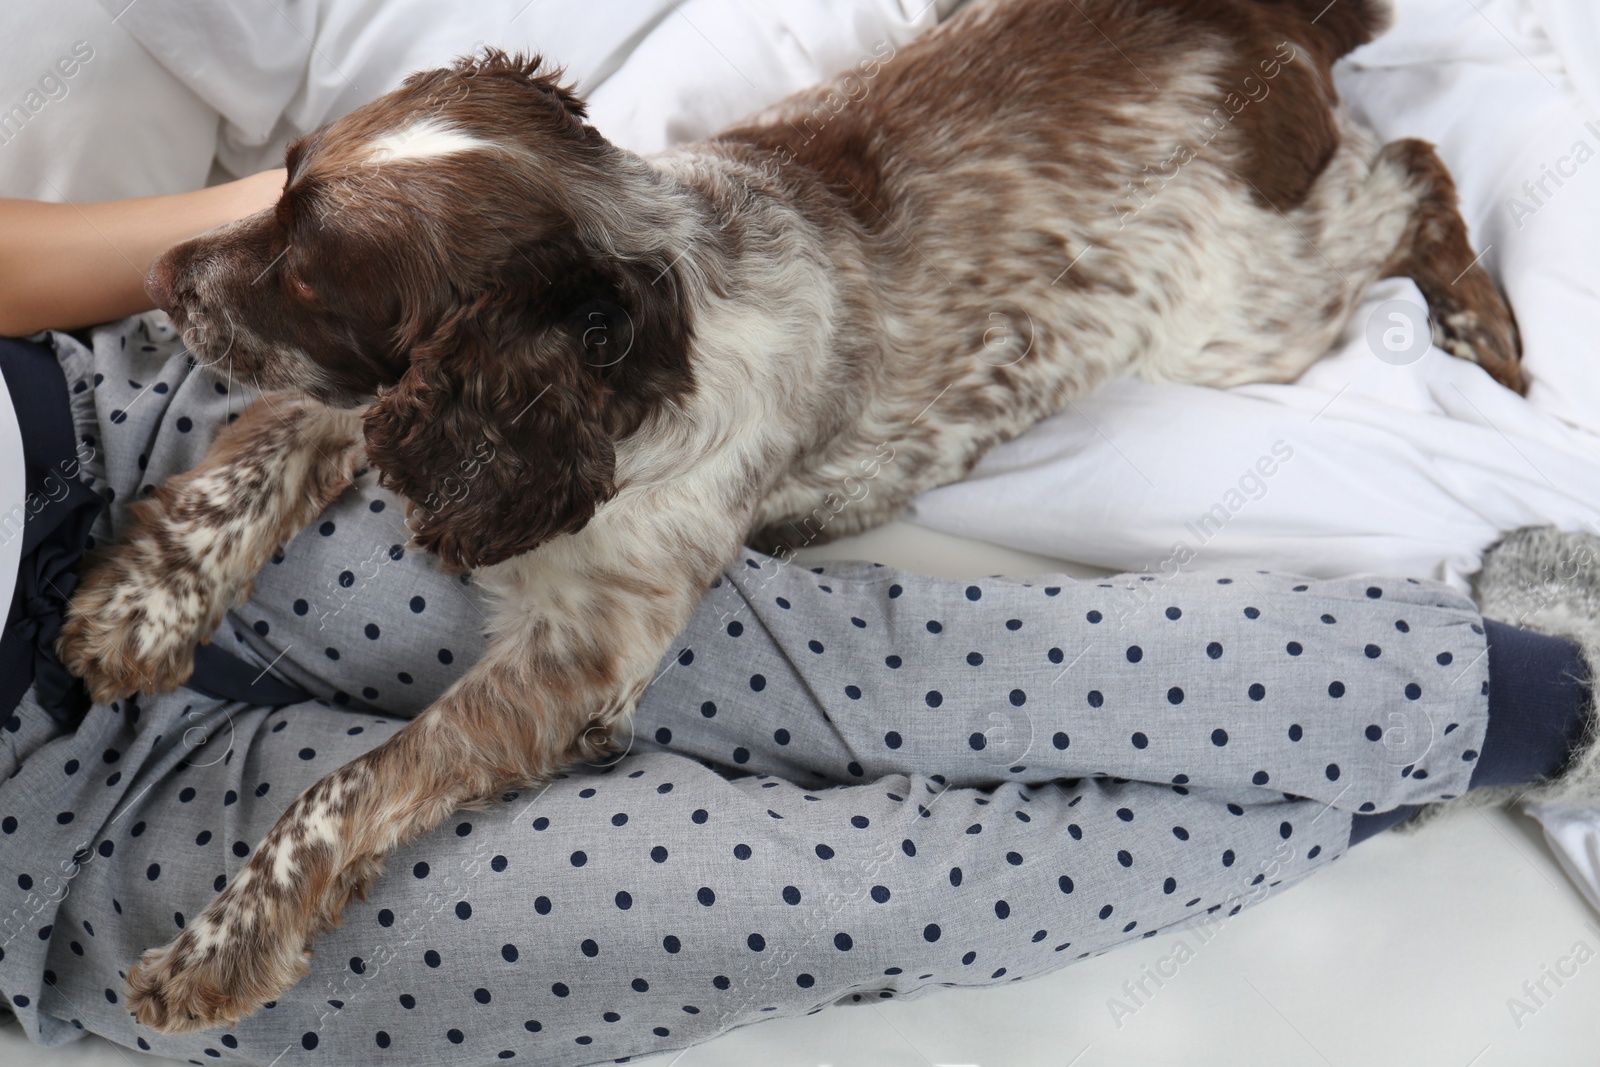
(594,376)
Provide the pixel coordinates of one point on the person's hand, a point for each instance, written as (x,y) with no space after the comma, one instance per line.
(63,266)
(247,195)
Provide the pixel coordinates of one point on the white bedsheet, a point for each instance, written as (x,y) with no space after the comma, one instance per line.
(1403,469)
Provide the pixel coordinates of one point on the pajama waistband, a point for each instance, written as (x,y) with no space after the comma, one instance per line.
(57,515)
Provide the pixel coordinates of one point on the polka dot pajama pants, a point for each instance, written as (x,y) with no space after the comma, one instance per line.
(847,783)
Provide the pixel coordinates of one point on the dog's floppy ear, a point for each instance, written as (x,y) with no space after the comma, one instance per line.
(497,449)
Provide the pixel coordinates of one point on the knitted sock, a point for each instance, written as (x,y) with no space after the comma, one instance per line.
(1547,581)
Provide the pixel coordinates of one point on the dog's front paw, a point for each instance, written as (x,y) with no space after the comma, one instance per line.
(213,974)
(134,621)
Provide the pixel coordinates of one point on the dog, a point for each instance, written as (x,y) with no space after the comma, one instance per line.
(648,362)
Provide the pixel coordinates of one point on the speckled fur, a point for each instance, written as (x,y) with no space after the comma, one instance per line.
(190,551)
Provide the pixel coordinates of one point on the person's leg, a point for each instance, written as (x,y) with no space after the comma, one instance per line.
(581,922)
(346,611)
(142,411)
(350,615)
(620,911)
(1365,694)
(1539,707)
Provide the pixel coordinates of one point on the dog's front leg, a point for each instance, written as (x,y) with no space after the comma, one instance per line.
(547,693)
(190,551)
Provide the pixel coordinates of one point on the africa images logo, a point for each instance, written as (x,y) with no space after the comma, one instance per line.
(52,86)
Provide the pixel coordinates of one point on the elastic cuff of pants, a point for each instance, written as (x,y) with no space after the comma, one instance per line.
(1539,710)
(1539,706)
(1365,826)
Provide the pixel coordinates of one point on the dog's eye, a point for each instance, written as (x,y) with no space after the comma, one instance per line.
(298,284)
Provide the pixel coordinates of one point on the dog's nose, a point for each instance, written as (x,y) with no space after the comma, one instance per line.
(158,283)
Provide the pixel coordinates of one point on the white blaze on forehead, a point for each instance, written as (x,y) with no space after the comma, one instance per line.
(424,139)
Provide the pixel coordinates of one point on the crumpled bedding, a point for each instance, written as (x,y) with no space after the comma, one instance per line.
(1407,466)
(654,72)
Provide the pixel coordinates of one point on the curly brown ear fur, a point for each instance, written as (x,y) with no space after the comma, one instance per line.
(521,68)
(498,449)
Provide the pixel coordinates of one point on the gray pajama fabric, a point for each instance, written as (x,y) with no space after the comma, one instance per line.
(847,783)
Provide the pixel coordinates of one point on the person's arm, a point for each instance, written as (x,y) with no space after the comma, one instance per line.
(63,266)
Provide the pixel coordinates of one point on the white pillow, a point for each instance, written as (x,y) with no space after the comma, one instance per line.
(87,114)
(277,69)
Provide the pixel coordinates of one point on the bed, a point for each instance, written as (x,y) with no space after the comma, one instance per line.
(1465,943)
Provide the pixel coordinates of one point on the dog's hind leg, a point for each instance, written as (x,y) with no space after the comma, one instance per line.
(1375,212)
(1468,316)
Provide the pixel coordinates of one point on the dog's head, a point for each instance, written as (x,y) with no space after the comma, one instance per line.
(472,259)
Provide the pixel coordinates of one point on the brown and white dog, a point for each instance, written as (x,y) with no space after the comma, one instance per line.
(644,362)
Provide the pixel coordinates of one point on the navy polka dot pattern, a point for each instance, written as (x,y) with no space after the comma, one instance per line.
(1216,695)
(847,783)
